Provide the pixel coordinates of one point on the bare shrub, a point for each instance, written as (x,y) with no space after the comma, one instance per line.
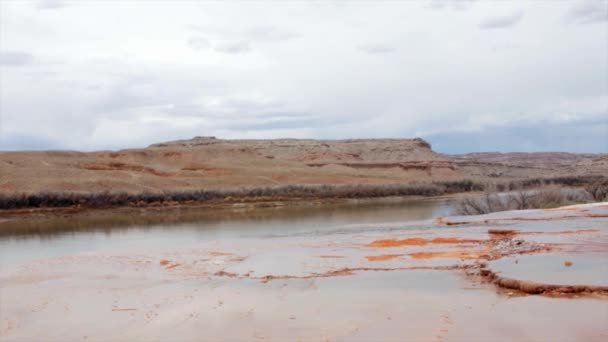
(485,204)
(597,190)
(546,198)
(522,200)
(109,199)
(464,185)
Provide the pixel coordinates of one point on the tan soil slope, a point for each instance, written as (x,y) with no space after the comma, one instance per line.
(206,162)
(525,165)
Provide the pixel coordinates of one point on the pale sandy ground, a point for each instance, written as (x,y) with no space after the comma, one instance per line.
(410,282)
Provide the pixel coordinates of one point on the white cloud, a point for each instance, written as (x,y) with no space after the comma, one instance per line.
(233,47)
(51,4)
(198,43)
(376,48)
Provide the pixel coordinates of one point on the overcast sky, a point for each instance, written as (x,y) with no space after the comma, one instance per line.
(465,75)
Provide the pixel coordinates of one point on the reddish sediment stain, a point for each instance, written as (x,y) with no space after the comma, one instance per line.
(449,254)
(584,213)
(219,253)
(419,242)
(510,233)
(331,256)
(503,232)
(443,220)
(531,287)
(347,271)
(226,274)
(382,257)
(596,215)
(167,264)
(563,232)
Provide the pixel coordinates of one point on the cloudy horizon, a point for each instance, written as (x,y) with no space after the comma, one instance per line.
(467,76)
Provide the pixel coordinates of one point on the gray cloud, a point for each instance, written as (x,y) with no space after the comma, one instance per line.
(450,4)
(504,46)
(588,12)
(376,48)
(51,4)
(233,47)
(504,21)
(269,33)
(199,43)
(15,58)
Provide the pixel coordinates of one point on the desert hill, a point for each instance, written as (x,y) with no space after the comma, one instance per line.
(211,163)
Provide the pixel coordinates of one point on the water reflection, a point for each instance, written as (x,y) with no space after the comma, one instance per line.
(62,236)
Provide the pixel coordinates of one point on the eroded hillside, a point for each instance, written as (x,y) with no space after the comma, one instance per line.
(210,163)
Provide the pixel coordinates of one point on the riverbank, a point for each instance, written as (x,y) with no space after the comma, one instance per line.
(48,204)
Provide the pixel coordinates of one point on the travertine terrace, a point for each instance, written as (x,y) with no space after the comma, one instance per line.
(525,275)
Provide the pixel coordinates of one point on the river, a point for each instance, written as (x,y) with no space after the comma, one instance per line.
(26,241)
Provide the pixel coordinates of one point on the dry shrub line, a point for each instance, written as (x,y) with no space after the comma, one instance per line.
(118,199)
(546,198)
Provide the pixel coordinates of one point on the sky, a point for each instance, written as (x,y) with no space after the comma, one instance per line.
(466,75)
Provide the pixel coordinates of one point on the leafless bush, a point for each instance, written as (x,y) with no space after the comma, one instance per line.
(465,185)
(481,205)
(598,190)
(522,200)
(109,199)
(547,198)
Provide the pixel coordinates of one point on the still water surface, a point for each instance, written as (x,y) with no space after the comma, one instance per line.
(28,241)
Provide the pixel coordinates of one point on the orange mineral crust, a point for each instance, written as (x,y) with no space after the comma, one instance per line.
(382,257)
(419,242)
(448,254)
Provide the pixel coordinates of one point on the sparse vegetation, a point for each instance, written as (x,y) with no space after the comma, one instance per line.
(598,190)
(545,198)
(109,199)
(596,187)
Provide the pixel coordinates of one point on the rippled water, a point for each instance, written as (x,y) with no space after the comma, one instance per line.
(25,241)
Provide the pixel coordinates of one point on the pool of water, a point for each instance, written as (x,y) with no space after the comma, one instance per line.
(27,241)
(581,269)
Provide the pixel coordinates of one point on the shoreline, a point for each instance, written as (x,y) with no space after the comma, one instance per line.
(68,204)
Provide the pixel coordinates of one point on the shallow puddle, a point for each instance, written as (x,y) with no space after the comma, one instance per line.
(562,268)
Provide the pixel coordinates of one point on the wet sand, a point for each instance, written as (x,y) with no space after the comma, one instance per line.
(449,279)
